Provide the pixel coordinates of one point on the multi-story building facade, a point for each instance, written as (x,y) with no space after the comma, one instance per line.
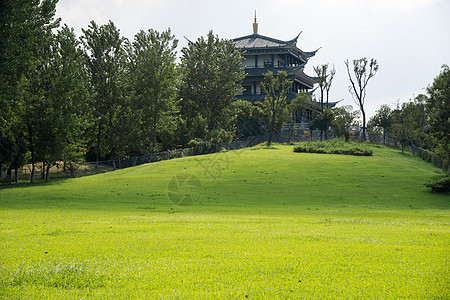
(263,54)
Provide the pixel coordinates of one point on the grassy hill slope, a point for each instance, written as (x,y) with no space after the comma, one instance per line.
(264,223)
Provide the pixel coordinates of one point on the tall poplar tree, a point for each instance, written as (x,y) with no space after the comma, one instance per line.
(275,89)
(106,60)
(363,71)
(153,80)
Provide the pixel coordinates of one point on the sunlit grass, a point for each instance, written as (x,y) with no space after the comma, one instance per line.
(265,223)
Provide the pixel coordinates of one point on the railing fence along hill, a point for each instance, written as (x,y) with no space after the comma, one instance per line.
(80,169)
(430,157)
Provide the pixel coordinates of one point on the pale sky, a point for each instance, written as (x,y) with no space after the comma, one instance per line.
(409,38)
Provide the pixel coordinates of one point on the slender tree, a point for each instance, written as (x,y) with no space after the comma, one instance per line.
(329,81)
(275,89)
(64,116)
(343,118)
(382,119)
(321,72)
(403,123)
(363,71)
(325,80)
(301,106)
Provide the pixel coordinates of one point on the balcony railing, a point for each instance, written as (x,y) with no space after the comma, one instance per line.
(270,66)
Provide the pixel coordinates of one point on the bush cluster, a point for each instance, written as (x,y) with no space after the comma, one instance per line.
(441,185)
(336,146)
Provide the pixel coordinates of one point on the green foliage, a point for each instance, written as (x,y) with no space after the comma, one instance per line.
(323,121)
(335,146)
(153,77)
(304,105)
(25,55)
(211,75)
(343,118)
(408,123)
(382,119)
(440,185)
(275,106)
(325,80)
(64,115)
(438,107)
(105,55)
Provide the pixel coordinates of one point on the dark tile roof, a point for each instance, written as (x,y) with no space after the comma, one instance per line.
(257,41)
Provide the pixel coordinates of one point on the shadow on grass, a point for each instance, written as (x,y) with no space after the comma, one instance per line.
(38,182)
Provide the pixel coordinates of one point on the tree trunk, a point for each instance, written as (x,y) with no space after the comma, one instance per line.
(48,171)
(272,125)
(9,175)
(364,122)
(99,134)
(32,169)
(384,135)
(43,170)
(33,158)
(155,120)
(321,100)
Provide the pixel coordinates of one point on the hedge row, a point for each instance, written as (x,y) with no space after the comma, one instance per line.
(333,147)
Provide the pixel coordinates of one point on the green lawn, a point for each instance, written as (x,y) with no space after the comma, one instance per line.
(265,224)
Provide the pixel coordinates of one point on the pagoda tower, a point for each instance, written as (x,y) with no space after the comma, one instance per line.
(263,54)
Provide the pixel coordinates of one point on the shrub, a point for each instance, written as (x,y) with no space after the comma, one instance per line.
(336,146)
(441,185)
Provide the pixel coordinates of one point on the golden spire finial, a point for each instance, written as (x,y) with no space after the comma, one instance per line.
(255,25)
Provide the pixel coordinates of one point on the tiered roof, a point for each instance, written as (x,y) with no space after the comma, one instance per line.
(261,42)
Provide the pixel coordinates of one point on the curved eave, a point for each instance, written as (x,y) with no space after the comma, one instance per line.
(312,53)
(271,43)
(305,79)
(330,104)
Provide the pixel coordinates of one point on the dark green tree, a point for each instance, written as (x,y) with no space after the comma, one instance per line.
(403,123)
(211,79)
(106,60)
(343,118)
(382,119)
(25,36)
(154,77)
(64,115)
(302,106)
(323,121)
(276,111)
(438,108)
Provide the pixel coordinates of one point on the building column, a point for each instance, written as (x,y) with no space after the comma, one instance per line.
(254,88)
(256,61)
